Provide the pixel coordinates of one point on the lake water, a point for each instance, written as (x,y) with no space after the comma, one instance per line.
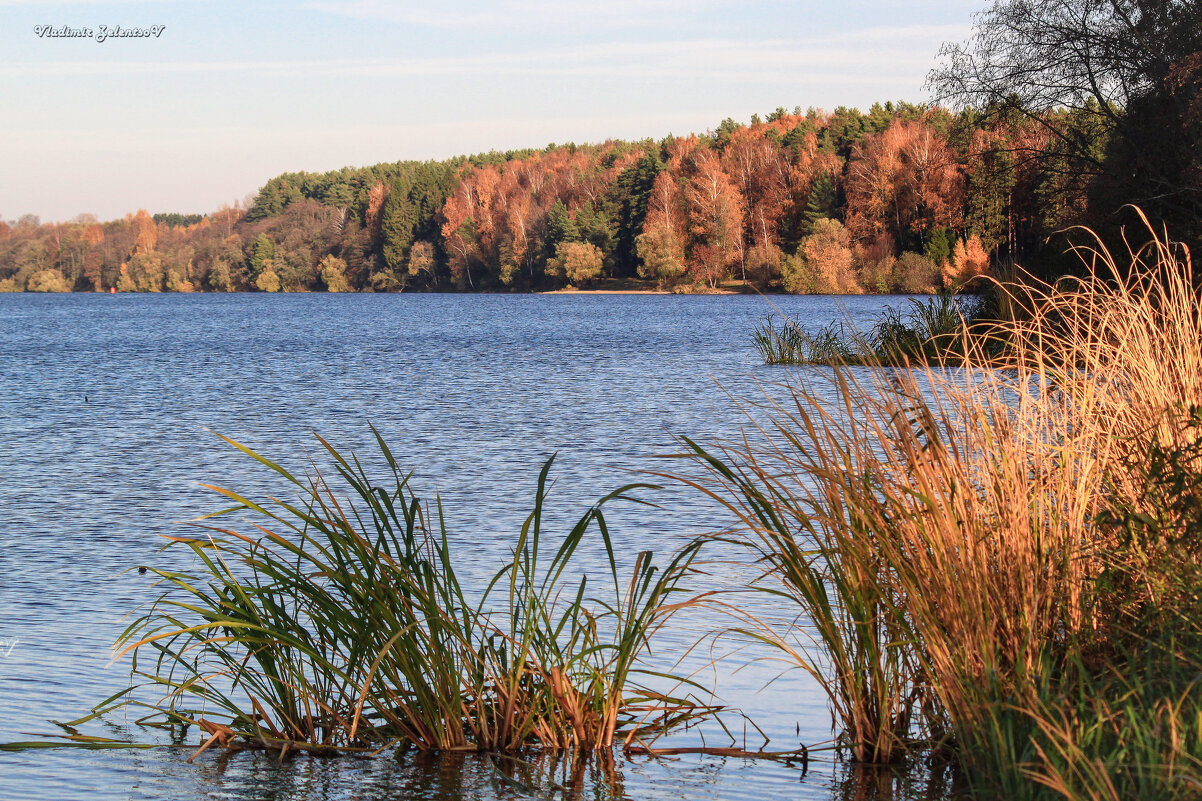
(106,409)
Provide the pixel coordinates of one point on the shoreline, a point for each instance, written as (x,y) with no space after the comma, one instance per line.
(566,291)
(647,291)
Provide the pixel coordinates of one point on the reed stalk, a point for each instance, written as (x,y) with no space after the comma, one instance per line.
(921,332)
(338,620)
(943,530)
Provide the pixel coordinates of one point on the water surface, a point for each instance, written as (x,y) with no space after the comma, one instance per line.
(106,408)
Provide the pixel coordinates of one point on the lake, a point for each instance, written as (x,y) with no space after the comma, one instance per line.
(107,404)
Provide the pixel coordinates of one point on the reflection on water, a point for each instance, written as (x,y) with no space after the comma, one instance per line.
(563,776)
(104,406)
(898,783)
(567,776)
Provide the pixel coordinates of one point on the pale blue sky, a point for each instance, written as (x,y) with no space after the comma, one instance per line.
(233,93)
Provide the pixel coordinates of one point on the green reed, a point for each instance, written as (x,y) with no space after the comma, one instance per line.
(338,620)
(922,332)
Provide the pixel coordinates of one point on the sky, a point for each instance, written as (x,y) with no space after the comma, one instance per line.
(221,96)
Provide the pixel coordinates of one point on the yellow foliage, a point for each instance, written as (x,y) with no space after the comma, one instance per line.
(177,283)
(968,261)
(47,281)
(268,280)
(577,261)
(333,273)
(831,261)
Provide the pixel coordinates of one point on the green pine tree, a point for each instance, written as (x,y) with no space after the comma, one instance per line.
(560,226)
(820,204)
(261,254)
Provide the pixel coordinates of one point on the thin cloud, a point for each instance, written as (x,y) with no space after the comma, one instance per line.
(513,13)
(67,3)
(861,55)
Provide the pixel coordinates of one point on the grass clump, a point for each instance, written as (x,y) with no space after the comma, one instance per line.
(1000,562)
(857,649)
(930,331)
(790,344)
(339,621)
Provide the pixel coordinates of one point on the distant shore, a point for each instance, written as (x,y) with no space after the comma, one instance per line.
(572,291)
(629,286)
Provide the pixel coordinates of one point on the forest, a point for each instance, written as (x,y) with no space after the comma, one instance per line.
(902,199)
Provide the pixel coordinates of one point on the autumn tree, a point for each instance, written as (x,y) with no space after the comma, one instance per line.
(761,174)
(763,264)
(333,274)
(467,226)
(830,259)
(373,216)
(877,260)
(969,260)
(1128,73)
(421,261)
(94,257)
(579,262)
(661,245)
(904,181)
(715,219)
(47,281)
(73,252)
(520,241)
(145,232)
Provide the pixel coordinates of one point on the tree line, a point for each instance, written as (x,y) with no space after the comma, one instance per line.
(1064,112)
(902,198)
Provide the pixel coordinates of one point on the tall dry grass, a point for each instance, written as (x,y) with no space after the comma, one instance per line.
(940,527)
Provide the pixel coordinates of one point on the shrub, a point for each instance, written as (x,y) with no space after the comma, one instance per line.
(915,274)
(827,252)
(333,274)
(47,281)
(268,280)
(763,264)
(797,277)
(661,253)
(579,262)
